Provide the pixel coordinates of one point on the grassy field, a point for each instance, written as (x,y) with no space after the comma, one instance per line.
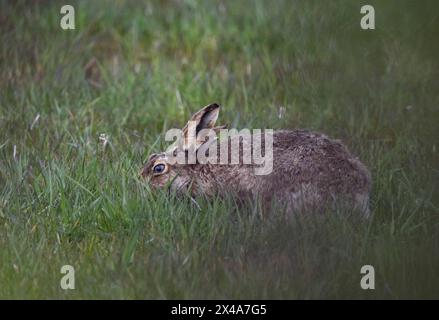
(132,71)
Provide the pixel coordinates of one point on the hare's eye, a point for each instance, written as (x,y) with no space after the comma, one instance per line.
(159,168)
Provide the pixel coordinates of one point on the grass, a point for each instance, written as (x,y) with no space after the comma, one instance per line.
(132,71)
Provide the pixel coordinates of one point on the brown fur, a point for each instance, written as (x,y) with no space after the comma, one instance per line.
(309,171)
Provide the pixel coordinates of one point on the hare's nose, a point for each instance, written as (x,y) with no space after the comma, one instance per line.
(143,173)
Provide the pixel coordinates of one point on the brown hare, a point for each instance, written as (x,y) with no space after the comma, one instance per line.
(307,170)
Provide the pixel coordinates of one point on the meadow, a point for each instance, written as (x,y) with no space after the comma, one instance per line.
(80,110)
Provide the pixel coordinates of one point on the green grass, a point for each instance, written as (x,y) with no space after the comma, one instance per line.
(65,199)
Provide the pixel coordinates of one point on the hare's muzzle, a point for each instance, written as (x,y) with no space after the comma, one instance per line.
(143,173)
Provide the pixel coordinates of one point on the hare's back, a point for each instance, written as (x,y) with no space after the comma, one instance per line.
(304,157)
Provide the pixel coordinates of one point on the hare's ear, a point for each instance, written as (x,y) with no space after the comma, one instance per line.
(206,117)
(203,119)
